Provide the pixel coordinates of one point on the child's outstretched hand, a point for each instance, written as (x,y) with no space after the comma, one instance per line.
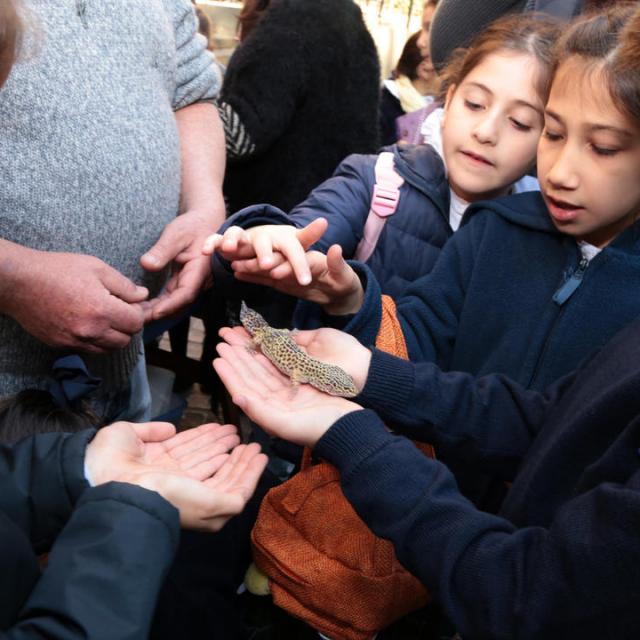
(301,416)
(260,243)
(333,283)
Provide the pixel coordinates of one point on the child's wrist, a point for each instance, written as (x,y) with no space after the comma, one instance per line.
(347,304)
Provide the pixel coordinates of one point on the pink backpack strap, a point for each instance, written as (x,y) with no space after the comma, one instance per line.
(384,202)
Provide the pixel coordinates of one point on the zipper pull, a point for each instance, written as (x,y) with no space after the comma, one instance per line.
(81,10)
(569,286)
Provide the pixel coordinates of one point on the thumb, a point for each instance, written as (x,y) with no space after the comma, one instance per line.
(154,431)
(336,264)
(312,232)
(169,245)
(121,287)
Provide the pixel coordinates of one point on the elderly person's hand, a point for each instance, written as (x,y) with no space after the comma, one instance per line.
(70,301)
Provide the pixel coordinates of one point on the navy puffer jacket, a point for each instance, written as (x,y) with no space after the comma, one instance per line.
(411,239)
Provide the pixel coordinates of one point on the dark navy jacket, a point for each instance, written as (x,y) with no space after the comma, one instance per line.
(112,546)
(560,560)
(502,297)
(411,239)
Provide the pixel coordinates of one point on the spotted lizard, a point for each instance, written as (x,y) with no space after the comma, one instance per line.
(290,359)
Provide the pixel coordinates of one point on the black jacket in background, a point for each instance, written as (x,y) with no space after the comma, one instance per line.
(112,546)
(305,84)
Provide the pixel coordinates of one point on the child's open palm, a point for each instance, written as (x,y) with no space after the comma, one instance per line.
(301,415)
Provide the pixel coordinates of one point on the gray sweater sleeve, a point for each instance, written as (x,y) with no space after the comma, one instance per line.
(198,77)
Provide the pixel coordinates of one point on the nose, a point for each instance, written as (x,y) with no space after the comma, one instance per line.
(562,173)
(486,129)
(423,43)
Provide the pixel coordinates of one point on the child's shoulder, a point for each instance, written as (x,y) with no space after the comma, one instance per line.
(526,210)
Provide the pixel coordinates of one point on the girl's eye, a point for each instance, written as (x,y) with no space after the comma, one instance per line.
(549,135)
(604,151)
(474,106)
(520,126)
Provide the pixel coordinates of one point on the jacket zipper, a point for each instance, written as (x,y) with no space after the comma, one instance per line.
(81,10)
(569,286)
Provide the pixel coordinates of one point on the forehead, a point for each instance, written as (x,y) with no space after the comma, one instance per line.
(427,15)
(580,92)
(511,75)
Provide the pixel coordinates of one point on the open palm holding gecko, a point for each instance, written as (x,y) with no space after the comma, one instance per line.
(302,415)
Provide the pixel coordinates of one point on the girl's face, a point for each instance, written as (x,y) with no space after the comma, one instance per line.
(423,38)
(588,158)
(492,125)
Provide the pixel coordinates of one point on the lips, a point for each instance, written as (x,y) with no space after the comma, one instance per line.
(476,158)
(562,210)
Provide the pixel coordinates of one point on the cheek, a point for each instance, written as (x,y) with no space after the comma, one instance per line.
(523,151)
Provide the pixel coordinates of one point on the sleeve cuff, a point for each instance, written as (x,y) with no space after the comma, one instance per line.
(389,383)
(352,439)
(365,324)
(148,501)
(73,458)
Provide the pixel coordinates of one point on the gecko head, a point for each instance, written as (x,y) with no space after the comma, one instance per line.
(342,384)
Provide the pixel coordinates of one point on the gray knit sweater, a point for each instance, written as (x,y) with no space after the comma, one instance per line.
(89,150)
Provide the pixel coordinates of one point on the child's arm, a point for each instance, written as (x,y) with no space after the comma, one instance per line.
(492,579)
(488,423)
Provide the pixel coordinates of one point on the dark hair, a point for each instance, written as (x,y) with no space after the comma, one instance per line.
(250,14)
(530,33)
(409,59)
(10,34)
(609,42)
(204,24)
(34,411)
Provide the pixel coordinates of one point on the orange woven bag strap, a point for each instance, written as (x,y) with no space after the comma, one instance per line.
(390,337)
(391,340)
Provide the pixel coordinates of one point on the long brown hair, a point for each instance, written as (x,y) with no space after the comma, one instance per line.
(530,33)
(10,34)
(609,43)
(250,14)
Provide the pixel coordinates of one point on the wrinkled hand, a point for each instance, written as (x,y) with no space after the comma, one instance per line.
(262,242)
(193,470)
(76,302)
(302,415)
(180,245)
(334,284)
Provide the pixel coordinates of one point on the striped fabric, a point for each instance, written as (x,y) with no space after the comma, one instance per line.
(238,142)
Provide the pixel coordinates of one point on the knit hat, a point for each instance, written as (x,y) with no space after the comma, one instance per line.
(456,22)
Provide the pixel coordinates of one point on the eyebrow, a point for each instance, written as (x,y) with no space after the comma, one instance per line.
(593,126)
(523,103)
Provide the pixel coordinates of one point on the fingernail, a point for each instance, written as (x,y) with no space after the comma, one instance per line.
(306,279)
(150,257)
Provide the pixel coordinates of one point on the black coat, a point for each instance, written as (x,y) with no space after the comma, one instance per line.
(112,546)
(305,84)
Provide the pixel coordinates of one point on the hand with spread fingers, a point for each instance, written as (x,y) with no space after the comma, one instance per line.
(193,470)
(301,415)
(268,246)
(333,284)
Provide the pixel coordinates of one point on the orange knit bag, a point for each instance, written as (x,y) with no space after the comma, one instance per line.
(324,564)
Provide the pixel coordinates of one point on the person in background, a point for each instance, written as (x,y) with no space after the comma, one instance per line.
(457,22)
(300,93)
(92,184)
(412,86)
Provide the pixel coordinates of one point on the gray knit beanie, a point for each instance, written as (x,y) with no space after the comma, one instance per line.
(457,22)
